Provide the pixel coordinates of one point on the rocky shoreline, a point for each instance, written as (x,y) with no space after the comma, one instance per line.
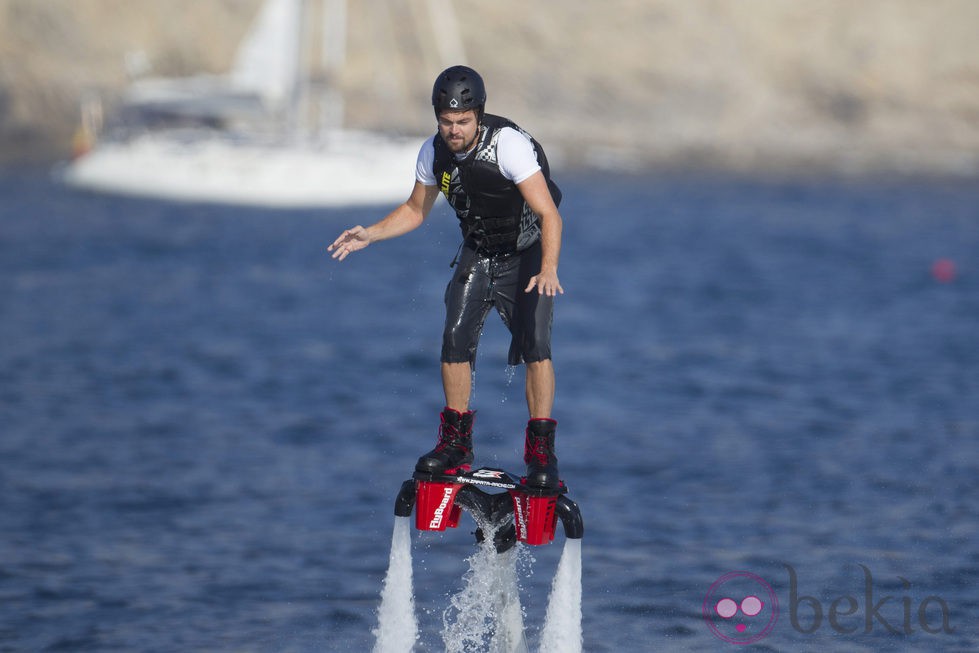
(751,85)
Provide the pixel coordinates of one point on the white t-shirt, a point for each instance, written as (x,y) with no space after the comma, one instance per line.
(514,151)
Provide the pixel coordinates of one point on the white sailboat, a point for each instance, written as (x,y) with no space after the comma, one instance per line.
(241,139)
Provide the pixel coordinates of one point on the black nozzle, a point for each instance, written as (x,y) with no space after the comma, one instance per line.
(405,502)
(570,514)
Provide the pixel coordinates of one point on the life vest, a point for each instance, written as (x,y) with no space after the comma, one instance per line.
(492,213)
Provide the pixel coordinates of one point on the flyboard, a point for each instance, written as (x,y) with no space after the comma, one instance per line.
(491,495)
(512,512)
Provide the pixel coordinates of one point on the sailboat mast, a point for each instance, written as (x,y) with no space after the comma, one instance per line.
(333,59)
(448,37)
(298,121)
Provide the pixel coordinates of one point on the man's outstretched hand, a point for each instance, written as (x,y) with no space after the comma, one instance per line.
(350,240)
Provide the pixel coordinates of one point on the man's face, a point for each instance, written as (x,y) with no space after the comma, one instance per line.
(458,129)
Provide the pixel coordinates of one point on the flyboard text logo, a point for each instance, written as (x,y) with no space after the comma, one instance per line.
(520,518)
(440,511)
(742,608)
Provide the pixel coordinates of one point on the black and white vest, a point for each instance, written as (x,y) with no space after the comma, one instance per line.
(492,213)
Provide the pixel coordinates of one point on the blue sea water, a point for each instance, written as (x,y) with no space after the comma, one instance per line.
(204,420)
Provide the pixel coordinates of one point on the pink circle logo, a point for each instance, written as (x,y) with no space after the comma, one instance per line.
(740,608)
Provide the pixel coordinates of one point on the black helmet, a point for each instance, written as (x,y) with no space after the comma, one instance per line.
(459,88)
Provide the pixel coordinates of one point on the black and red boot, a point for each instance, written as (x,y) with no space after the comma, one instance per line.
(539,454)
(455,446)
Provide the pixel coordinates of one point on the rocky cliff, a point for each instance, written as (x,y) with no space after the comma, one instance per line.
(834,85)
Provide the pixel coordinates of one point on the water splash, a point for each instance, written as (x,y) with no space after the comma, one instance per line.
(508,375)
(472,383)
(562,623)
(397,627)
(486,614)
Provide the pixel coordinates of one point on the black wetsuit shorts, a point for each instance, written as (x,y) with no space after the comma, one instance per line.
(482,282)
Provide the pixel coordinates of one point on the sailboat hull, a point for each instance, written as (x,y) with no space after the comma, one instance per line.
(346,168)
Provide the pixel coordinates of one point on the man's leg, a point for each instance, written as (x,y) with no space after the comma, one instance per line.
(457,384)
(539,444)
(540,389)
(465,309)
(529,316)
(455,445)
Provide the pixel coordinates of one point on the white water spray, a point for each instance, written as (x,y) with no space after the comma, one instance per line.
(562,623)
(397,627)
(508,375)
(486,614)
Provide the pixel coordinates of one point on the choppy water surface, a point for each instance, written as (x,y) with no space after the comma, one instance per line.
(204,420)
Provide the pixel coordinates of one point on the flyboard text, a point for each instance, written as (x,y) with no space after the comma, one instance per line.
(440,511)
